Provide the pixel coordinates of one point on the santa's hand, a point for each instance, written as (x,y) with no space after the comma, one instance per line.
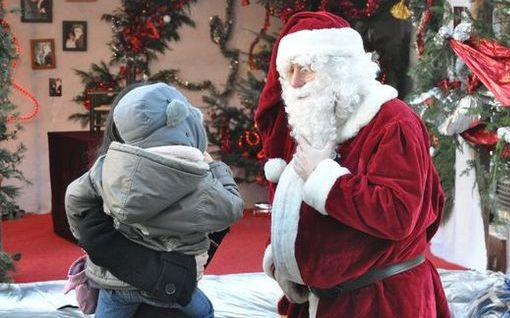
(295,293)
(307,157)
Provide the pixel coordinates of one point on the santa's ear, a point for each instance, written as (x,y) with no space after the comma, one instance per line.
(273,168)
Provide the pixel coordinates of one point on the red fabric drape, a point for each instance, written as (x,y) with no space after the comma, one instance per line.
(490,62)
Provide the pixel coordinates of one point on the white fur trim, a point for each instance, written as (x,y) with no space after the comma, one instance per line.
(285,216)
(267,261)
(273,169)
(313,305)
(184,152)
(377,94)
(319,184)
(333,41)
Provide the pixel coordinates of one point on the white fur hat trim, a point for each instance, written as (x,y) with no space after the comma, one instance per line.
(274,168)
(319,42)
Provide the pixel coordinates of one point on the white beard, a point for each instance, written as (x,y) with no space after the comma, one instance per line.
(318,110)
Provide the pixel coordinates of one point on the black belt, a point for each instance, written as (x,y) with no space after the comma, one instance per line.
(368,278)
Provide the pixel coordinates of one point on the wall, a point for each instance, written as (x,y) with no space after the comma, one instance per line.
(195,55)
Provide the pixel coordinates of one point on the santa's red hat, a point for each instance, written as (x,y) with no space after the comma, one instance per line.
(305,33)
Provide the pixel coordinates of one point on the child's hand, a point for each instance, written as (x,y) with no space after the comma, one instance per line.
(207,157)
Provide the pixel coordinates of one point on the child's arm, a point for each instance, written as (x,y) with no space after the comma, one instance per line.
(221,203)
(82,196)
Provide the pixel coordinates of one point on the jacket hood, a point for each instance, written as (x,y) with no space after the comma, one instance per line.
(138,184)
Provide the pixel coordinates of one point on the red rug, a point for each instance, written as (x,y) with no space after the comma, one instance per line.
(46,256)
(243,247)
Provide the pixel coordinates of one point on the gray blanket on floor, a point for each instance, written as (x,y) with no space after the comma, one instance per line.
(251,295)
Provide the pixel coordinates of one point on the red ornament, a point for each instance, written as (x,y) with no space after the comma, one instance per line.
(261,154)
(245,3)
(505,152)
(86,104)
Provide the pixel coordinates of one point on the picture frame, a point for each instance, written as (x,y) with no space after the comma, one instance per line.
(55,87)
(74,35)
(42,54)
(37,11)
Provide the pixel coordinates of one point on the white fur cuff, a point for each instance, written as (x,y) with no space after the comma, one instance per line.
(274,168)
(319,184)
(267,262)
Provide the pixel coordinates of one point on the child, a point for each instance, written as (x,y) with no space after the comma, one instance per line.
(161,188)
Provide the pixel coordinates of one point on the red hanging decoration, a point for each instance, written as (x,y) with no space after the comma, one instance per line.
(263,30)
(481,136)
(490,62)
(420,31)
(252,137)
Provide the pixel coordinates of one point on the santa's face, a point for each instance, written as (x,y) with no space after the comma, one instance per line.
(298,76)
(319,99)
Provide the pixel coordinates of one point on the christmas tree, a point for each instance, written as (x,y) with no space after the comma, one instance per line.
(9,123)
(9,127)
(142,29)
(460,91)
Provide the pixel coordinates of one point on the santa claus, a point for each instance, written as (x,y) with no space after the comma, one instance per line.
(355,195)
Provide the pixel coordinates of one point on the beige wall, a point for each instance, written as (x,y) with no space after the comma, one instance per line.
(195,55)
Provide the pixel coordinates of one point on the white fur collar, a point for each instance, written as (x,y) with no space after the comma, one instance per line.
(378,94)
(179,151)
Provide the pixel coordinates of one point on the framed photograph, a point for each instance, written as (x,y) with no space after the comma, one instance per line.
(36,10)
(43,54)
(55,85)
(74,35)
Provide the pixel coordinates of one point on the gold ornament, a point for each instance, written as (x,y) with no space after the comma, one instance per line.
(400,11)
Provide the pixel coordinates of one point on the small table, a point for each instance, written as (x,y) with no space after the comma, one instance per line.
(71,153)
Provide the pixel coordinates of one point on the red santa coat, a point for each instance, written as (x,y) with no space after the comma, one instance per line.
(379,204)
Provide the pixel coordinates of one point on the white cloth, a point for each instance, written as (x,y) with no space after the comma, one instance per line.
(462,240)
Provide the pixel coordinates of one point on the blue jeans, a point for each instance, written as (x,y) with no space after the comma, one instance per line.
(124,304)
